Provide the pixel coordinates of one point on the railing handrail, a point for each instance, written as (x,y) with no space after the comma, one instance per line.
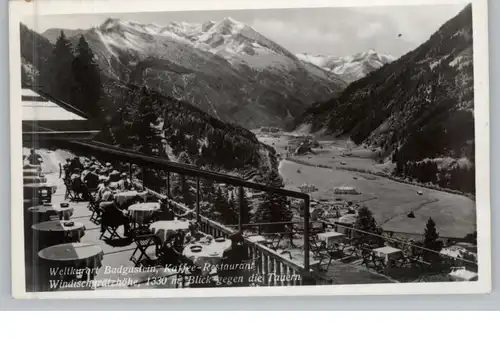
(229,231)
(400,241)
(344,225)
(138,158)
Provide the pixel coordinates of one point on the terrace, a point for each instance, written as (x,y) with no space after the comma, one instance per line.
(334,253)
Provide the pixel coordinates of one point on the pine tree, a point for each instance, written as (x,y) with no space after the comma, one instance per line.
(232,211)
(146,118)
(187,196)
(431,242)
(245,210)
(366,222)
(220,203)
(273,207)
(57,77)
(87,89)
(139,117)
(25,78)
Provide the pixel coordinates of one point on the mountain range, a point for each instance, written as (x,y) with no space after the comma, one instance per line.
(185,131)
(418,107)
(349,68)
(421,105)
(225,68)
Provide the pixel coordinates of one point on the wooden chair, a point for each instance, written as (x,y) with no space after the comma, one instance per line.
(366,256)
(70,195)
(273,240)
(328,254)
(378,262)
(371,260)
(147,251)
(110,224)
(95,209)
(318,248)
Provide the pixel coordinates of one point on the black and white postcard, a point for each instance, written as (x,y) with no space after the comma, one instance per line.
(249,148)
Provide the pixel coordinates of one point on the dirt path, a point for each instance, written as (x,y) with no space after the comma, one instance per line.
(420,206)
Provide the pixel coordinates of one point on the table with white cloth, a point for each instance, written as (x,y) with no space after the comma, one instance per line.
(164,229)
(34,179)
(31,172)
(389,254)
(72,261)
(33,166)
(32,189)
(211,253)
(45,211)
(56,232)
(141,213)
(331,237)
(257,239)
(123,197)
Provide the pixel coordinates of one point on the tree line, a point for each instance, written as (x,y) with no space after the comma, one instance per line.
(431,241)
(70,74)
(455,177)
(145,120)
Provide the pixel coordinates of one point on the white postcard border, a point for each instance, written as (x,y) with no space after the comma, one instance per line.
(21,8)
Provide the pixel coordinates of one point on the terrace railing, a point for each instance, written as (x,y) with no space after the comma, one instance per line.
(352,232)
(270,267)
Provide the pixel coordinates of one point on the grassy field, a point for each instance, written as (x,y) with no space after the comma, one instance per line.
(390,201)
(330,154)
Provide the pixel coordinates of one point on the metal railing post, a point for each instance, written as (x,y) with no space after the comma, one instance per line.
(143,178)
(306,234)
(168,183)
(197,199)
(240,216)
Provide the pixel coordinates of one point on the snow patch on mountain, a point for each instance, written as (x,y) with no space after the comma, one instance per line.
(351,67)
(225,68)
(236,42)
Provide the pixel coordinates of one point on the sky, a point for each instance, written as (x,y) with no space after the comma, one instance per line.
(326,31)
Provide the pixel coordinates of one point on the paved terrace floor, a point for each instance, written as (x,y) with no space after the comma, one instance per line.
(116,264)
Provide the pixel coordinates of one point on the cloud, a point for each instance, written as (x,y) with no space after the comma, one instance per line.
(289,30)
(371,30)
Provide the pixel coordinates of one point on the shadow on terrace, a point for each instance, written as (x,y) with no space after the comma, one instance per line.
(125,230)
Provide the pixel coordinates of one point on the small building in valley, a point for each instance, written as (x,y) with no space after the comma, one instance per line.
(346,191)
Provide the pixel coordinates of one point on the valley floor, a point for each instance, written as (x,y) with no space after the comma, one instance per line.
(390,201)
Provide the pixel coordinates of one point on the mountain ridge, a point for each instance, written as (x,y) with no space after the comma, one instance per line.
(350,68)
(228,69)
(419,106)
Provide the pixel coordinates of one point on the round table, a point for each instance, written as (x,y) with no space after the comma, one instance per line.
(48,210)
(32,166)
(32,189)
(122,198)
(34,179)
(209,254)
(56,232)
(31,172)
(164,229)
(103,205)
(142,212)
(72,261)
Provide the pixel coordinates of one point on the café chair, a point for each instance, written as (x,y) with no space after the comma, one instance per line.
(147,251)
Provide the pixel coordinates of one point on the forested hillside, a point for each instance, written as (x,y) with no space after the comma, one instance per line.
(417,108)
